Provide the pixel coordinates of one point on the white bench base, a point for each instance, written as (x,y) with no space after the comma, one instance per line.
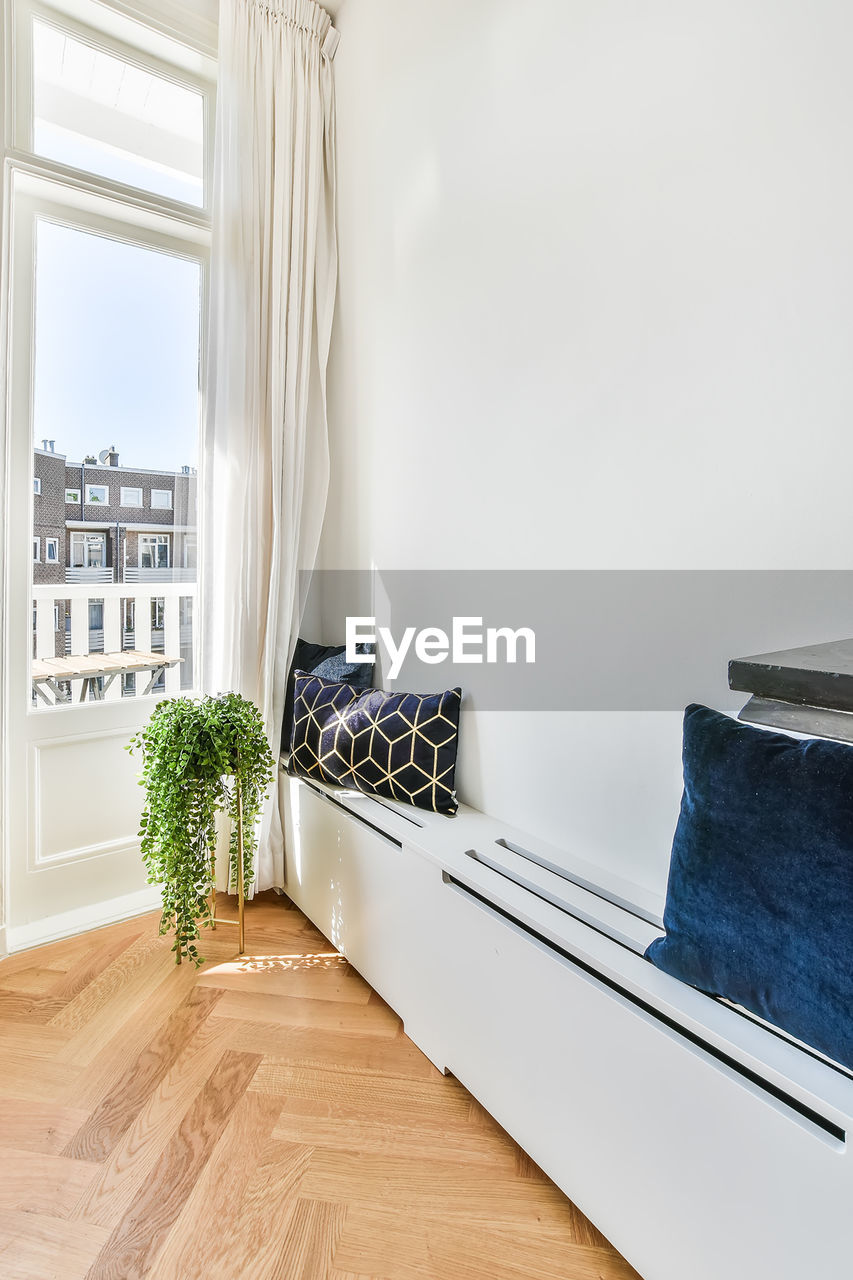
(703,1145)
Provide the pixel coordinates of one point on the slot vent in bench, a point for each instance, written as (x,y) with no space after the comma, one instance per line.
(615,899)
(575,912)
(356,817)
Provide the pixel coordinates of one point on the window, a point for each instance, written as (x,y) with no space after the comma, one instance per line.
(190,551)
(154,551)
(115,116)
(158,614)
(109,168)
(88,550)
(36,485)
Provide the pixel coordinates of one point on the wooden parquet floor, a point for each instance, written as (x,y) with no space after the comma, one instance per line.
(264,1118)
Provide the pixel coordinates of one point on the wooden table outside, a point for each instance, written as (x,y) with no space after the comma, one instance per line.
(92,667)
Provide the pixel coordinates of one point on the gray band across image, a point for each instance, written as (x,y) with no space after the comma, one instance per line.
(583,640)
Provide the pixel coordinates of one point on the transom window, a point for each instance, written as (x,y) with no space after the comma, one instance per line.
(116,116)
(161,499)
(131,497)
(98,495)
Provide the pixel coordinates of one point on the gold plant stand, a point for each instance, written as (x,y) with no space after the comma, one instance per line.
(240,922)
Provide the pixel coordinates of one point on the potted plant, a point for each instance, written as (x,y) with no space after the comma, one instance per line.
(200,757)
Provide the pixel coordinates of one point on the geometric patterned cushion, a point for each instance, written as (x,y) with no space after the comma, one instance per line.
(398,745)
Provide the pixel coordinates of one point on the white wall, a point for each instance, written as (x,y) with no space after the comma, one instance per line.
(595,310)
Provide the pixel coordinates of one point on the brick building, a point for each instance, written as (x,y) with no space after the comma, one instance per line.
(98,522)
(49,535)
(103,522)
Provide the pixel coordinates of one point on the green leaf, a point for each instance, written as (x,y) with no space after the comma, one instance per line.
(196,755)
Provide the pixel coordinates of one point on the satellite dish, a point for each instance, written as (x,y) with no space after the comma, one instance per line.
(104,454)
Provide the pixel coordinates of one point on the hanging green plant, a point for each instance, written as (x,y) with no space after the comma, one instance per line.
(200,757)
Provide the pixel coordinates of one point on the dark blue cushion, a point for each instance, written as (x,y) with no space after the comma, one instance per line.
(399,745)
(759,905)
(330,662)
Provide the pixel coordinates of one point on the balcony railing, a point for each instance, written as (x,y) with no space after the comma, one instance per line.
(132,574)
(88,575)
(174,637)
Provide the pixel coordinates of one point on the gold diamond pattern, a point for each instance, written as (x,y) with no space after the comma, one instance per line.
(398,745)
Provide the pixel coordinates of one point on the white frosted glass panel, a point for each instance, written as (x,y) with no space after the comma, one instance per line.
(97,112)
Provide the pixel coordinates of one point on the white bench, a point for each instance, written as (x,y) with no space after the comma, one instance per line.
(704,1145)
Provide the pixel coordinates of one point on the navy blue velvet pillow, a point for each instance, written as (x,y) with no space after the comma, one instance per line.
(399,745)
(759,905)
(330,662)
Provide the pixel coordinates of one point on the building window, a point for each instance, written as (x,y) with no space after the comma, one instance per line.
(158,614)
(98,495)
(161,499)
(73,495)
(154,551)
(51,550)
(190,551)
(88,550)
(131,497)
(36,550)
(36,485)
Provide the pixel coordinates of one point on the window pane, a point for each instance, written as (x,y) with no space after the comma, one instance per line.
(97,112)
(116,413)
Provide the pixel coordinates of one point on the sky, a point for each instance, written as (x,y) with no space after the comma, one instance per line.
(116,350)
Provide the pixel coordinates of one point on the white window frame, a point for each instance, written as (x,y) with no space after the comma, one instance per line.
(161,493)
(75,496)
(36,550)
(36,484)
(157,539)
(181,46)
(48,558)
(140,41)
(96,502)
(125,501)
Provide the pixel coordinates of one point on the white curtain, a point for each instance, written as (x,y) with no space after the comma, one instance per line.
(265,462)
